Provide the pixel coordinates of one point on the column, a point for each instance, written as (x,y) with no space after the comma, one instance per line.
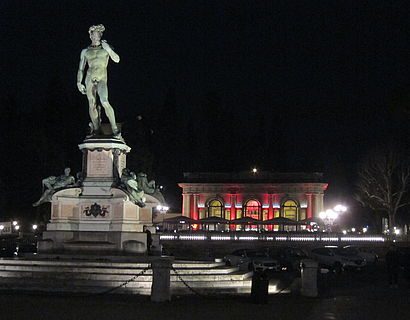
(270,212)
(194,208)
(233,212)
(318,204)
(309,208)
(186,204)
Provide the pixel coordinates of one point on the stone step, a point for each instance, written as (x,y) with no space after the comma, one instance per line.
(105,264)
(40,288)
(109,270)
(235,276)
(97,277)
(143,288)
(49,284)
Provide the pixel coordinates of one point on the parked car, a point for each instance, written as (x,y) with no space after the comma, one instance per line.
(252,259)
(366,253)
(26,247)
(337,259)
(288,257)
(8,247)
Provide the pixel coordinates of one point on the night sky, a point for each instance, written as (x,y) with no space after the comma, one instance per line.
(293,85)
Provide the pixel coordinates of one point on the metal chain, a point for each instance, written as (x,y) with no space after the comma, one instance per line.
(188,286)
(9,288)
(126,282)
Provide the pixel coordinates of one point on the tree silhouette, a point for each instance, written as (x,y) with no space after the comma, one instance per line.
(383,184)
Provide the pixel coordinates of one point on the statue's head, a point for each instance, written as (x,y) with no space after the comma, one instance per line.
(142,174)
(96,32)
(67,171)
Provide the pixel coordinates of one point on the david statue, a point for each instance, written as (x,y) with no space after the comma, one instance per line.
(96,56)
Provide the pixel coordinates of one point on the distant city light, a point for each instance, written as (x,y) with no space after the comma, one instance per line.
(15,223)
(353,229)
(344,232)
(17,227)
(364,229)
(35,227)
(1,227)
(254,170)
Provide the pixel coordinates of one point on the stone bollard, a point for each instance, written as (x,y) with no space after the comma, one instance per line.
(309,278)
(260,287)
(161,286)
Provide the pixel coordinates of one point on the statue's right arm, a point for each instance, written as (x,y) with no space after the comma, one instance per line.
(80,73)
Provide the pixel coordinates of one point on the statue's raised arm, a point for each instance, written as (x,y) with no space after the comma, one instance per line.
(114,57)
(96,57)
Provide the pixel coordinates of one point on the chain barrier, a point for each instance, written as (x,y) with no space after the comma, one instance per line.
(189,287)
(143,271)
(125,282)
(9,288)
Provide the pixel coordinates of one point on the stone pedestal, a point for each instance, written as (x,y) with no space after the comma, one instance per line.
(98,216)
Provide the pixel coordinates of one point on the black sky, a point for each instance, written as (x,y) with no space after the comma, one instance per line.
(327,77)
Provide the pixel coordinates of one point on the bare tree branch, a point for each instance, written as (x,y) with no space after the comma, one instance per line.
(383,182)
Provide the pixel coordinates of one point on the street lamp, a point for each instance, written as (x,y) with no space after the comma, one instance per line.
(340,208)
(328,217)
(162,209)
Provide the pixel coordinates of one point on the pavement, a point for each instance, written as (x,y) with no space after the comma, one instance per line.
(351,295)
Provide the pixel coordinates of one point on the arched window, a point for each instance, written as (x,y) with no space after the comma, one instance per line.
(290,209)
(215,208)
(252,209)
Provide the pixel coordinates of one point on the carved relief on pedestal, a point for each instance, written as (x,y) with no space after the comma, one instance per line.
(95,210)
(99,163)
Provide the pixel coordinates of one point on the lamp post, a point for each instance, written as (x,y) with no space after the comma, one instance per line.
(340,209)
(160,209)
(328,217)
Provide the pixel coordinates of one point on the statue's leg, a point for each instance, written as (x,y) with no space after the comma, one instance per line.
(92,101)
(109,111)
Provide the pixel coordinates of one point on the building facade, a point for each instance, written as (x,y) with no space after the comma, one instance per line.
(259,195)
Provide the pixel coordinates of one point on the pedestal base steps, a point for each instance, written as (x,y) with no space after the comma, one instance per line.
(117,275)
(93,242)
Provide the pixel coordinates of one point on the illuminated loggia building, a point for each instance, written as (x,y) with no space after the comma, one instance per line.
(260,195)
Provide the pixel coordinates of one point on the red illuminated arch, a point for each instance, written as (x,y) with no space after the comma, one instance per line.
(252,208)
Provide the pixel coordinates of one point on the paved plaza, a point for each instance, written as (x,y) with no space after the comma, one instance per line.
(363,295)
